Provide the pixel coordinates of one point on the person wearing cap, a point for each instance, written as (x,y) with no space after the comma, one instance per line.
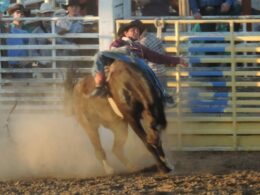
(16,27)
(126,47)
(46,10)
(70,26)
(64,26)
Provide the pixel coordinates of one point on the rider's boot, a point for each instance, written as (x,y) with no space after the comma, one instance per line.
(100,89)
(169,101)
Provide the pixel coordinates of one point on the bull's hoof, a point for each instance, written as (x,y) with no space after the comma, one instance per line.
(166,169)
(150,169)
(131,168)
(108,169)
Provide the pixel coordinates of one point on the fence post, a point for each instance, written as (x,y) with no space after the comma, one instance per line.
(233,79)
(0,55)
(109,10)
(178,87)
(53,42)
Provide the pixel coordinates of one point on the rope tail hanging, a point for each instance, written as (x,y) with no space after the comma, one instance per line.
(8,119)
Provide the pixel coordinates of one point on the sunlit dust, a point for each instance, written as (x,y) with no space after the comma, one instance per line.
(54,145)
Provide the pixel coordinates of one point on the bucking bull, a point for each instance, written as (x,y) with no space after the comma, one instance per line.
(140,106)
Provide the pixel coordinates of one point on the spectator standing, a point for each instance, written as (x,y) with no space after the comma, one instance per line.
(155,7)
(88,7)
(33,7)
(70,26)
(16,27)
(201,8)
(46,10)
(3,6)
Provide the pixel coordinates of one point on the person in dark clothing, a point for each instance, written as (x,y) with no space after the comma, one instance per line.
(88,7)
(201,8)
(17,27)
(156,8)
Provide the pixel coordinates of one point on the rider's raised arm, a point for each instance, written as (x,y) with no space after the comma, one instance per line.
(159,58)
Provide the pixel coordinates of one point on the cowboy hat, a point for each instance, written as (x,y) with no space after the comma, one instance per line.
(46,8)
(15,7)
(71,3)
(136,23)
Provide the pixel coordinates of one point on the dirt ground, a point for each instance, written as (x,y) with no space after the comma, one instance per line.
(196,173)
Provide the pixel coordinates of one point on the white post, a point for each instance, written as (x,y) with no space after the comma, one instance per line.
(109,10)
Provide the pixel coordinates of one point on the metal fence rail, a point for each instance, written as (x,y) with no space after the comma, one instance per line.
(218,96)
(45,87)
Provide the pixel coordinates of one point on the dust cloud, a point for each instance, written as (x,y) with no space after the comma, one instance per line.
(54,145)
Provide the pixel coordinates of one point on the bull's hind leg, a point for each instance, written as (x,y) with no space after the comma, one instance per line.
(92,131)
(155,148)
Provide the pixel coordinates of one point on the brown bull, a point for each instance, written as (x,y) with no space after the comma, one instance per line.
(139,104)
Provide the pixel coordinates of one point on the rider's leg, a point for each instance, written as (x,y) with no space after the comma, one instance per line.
(100,88)
(99,75)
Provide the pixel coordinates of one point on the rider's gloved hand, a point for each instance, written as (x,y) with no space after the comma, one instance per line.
(184,62)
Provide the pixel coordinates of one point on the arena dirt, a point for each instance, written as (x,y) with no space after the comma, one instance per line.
(50,154)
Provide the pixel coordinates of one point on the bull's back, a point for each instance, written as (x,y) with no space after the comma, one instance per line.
(127,85)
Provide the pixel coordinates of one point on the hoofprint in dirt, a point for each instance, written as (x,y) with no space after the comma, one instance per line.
(196,173)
